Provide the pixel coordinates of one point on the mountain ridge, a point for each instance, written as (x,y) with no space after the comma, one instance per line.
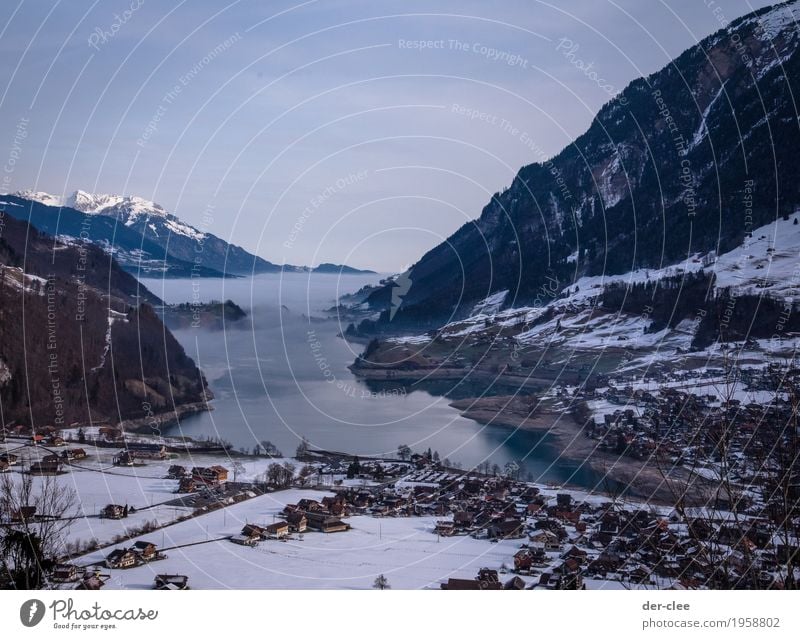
(681,162)
(144,237)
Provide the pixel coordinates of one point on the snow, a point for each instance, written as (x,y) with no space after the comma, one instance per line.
(14,276)
(491,304)
(113,316)
(702,130)
(766,264)
(774,22)
(404,549)
(608,191)
(128,209)
(42,197)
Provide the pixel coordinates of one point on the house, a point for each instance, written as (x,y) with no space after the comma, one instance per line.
(124,458)
(93,582)
(548,539)
(121,558)
(176,471)
(212,475)
(4,467)
(461,584)
(445,528)
(508,529)
(564,501)
(297,522)
(515,583)
(113,511)
(575,553)
(9,458)
(37,439)
(55,440)
(23,514)
(326,523)
(245,540)
(253,532)
(171,582)
(463,519)
(188,485)
(278,530)
(487,580)
(73,454)
(45,467)
(146,550)
(65,572)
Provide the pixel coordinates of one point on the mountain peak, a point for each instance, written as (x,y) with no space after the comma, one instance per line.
(131,210)
(101,203)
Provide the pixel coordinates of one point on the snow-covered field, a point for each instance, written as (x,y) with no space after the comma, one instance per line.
(405,550)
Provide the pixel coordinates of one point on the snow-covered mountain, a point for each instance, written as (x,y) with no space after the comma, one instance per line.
(142,235)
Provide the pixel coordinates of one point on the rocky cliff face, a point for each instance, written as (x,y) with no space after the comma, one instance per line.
(79,340)
(684,162)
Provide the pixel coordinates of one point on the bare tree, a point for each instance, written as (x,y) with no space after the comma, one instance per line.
(41,511)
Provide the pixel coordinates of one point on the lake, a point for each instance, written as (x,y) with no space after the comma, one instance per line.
(281,376)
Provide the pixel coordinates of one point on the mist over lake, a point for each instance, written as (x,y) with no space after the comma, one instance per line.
(279,376)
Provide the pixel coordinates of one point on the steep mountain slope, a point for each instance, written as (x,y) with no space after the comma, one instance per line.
(140,233)
(687,161)
(79,339)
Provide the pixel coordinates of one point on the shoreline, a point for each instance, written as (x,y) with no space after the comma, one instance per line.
(643,480)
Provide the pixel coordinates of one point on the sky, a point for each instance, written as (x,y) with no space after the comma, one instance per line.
(350,131)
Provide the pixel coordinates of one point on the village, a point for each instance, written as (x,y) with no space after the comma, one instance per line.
(149,518)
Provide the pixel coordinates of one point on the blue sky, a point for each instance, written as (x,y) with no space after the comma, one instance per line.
(320,131)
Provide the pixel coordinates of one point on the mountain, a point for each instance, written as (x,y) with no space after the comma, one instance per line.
(142,235)
(685,163)
(80,341)
(340,269)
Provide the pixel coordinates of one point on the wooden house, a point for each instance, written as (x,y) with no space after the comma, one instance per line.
(171,582)
(254,532)
(278,530)
(146,550)
(297,522)
(188,485)
(176,471)
(121,558)
(10,458)
(325,523)
(124,458)
(52,467)
(211,475)
(508,529)
(113,511)
(63,573)
(245,540)
(92,582)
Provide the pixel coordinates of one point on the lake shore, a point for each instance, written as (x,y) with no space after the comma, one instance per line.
(565,434)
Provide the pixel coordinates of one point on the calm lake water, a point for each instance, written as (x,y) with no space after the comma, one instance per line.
(282,376)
